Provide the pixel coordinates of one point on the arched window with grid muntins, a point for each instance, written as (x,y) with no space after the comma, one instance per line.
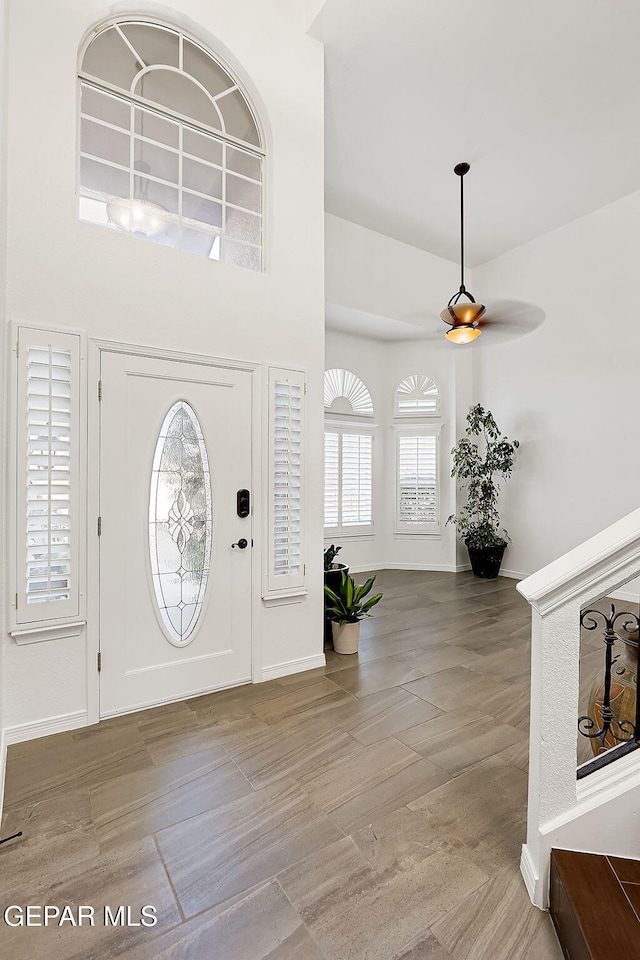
(170,147)
(417,396)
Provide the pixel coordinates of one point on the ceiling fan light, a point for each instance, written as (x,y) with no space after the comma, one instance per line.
(463,333)
(462,313)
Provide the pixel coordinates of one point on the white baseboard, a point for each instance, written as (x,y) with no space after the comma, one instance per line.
(435,567)
(438,567)
(44,728)
(531,878)
(441,568)
(513,574)
(292,666)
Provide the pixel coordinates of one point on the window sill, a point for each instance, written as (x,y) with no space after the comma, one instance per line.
(60,631)
(280,599)
(426,418)
(355,420)
(349,537)
(418,535)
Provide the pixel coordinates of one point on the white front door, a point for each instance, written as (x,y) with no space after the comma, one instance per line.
(175,598)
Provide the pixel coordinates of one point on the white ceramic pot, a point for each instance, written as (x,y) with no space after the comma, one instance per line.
(345,637)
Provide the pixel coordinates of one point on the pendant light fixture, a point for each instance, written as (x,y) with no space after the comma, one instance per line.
(462,317)
(137,214)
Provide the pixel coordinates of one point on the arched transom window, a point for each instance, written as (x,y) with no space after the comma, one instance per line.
(346,393)
(417,396)
(170,149)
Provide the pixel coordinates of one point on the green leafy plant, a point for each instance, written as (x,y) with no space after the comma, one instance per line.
(478,522)
(346,604)
(329,556)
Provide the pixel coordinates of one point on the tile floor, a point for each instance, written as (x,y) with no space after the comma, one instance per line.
(372,809)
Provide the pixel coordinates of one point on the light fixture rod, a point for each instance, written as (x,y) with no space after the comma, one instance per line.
(460,169)
(462,232)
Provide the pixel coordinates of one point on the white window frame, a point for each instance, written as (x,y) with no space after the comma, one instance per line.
(416,529)
(413,414)
(358,429)
(220,234)
(32,622)
(278,585)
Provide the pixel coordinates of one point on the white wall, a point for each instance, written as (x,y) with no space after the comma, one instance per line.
(63,272)
(3,465)
(303,12)
(368,274)
(568,389)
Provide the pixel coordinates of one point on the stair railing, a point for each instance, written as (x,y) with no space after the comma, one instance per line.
(566,809)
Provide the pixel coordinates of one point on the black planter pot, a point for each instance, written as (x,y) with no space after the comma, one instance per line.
(485,561)
(332,579)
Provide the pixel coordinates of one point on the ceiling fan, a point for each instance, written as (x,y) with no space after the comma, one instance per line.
(467,319)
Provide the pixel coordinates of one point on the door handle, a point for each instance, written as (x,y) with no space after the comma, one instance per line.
(242,544)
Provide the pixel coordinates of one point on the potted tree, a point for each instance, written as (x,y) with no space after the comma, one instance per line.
(333,571)
(346,608)
(478,522)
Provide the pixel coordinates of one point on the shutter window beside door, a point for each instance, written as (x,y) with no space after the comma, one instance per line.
(48,483)
(286,528)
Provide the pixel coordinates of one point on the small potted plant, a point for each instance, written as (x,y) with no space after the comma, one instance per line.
(478,522)
(332,567)
(346,608)
(333,571)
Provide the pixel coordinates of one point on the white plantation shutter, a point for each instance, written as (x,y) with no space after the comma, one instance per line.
(348,470)
(417,481)
(417,396)
(286,399)
(331,479)
(356,479)
(47,476)
(344,385)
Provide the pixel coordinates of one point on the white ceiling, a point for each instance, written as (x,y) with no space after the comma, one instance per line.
(362,324)
(541,98)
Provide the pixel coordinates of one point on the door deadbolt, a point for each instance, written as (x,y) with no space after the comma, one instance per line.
(243,503)
(241,544)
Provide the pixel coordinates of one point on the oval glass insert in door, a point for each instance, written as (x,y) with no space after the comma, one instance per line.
(180,522)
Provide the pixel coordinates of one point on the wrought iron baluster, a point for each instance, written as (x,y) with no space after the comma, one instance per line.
(587,724)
